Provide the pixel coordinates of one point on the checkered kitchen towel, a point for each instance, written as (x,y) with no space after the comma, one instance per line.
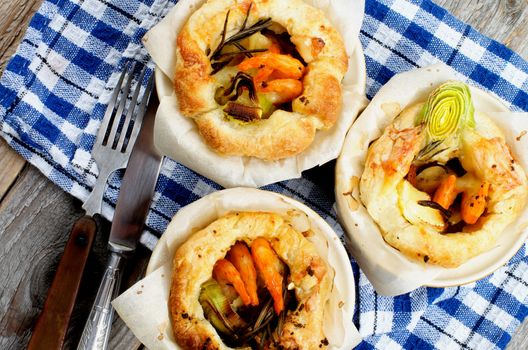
(53,95)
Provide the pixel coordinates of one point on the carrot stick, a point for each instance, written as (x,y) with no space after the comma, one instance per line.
(446,193)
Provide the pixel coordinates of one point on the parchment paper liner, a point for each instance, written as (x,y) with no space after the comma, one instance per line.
(390,272)
(144,309)
(177,136)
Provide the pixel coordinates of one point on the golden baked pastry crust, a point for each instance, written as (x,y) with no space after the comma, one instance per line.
(383,172)
(193,265)
(319,105)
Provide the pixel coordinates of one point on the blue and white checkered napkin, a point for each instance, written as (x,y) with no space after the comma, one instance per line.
(53,94)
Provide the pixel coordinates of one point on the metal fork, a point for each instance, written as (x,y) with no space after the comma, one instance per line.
(117,133)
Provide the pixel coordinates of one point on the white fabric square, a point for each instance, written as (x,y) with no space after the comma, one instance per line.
(476,302)
(92,127)
(42,165)
(426,59)
(376,50)
(33,100)
(514,75)
(202,188)
(113,56)
(405,8)
(500,318)
(94,7)
(390,38)
(447,34)
(472,50)
(479,342)
(75,34)
(415,317)
(386,342)
(384,324)
(59,156)
(47,77)
(367,323)
(57,62)
(86,103)
(71,131)
(57,22)
(457,329)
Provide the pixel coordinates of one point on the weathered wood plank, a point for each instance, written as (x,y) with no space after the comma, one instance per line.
(11,163)
(13,22)
(35,219)
(504,21)
(36,216)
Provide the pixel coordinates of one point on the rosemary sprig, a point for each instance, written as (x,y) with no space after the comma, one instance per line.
(235,39)
(242,34)
(242,50)
(446,213)
(425,153)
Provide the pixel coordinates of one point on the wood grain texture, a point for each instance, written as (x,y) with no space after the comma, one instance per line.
(11,164)
(13,22)
(36,216)
(35,220)
(503,20)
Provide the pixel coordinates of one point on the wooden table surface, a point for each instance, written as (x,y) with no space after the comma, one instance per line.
(36,216)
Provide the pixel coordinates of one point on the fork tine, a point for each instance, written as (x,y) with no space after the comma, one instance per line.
(112,139)
(109,115)
(129,119)
(141,111)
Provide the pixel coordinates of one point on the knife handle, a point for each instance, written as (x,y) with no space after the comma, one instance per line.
(51,326)
(97,329)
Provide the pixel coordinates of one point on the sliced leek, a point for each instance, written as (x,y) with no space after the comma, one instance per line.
(448,109)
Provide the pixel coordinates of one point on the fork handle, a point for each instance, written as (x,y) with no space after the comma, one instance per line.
(97,329)
(51,327)
(94,201)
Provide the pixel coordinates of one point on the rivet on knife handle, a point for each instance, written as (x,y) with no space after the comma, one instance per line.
(97,328)
(51,327)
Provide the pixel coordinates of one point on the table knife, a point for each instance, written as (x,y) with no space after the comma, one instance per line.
(135,195)
(51,327)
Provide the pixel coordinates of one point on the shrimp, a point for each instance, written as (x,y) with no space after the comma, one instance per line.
(240,257)
(491,160)
(287,66)
(282,90)
(400,150)
(260,78)
(225,273)
(271,270)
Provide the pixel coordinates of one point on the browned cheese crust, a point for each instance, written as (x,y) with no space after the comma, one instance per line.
(193,265)
(285,135)
(482,151)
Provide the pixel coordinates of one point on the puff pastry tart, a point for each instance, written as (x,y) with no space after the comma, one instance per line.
(259,77)
(441,181)
(249,280)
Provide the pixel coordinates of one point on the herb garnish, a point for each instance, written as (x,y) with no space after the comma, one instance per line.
(216,57)
(445,212)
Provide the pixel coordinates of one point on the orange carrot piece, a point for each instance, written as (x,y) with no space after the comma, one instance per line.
(473,205)
(286,65)
(446,193)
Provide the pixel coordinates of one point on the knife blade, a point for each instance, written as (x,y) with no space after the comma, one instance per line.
(135,195)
